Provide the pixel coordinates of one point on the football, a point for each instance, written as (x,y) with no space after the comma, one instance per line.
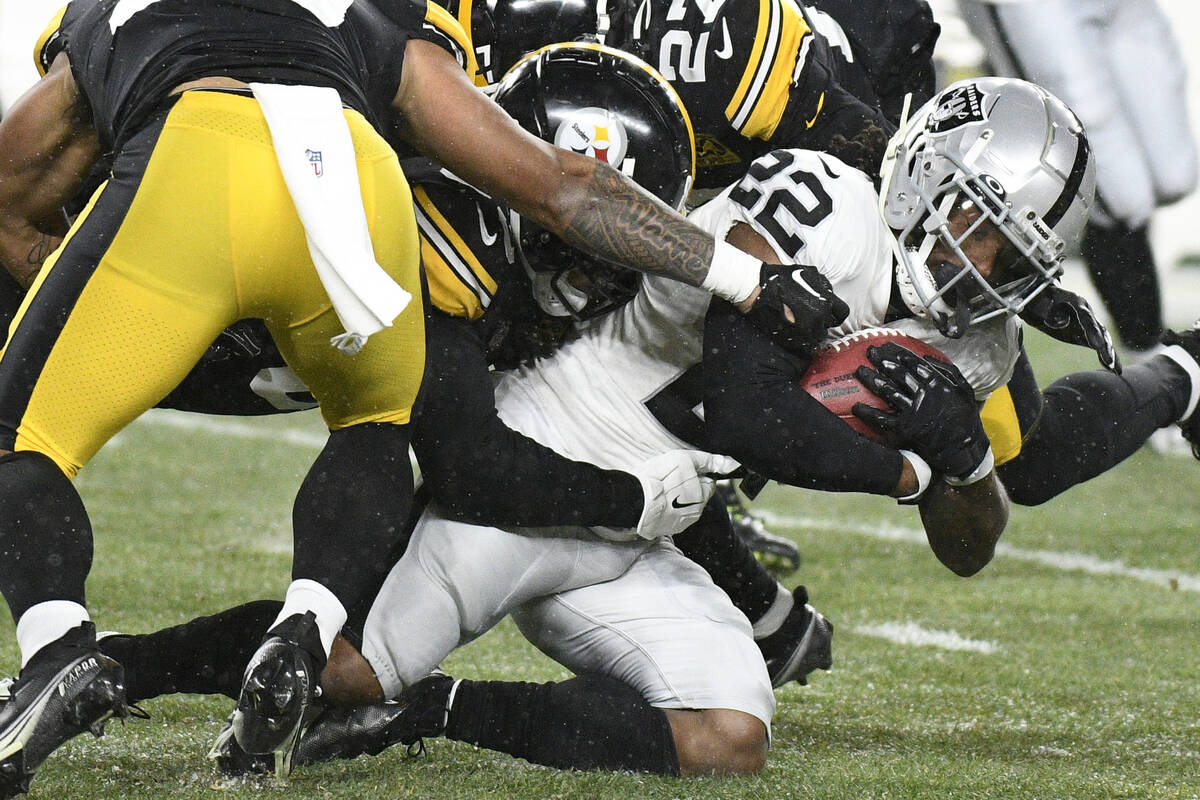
(831,378)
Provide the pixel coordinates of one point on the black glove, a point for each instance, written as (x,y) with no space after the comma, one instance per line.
(808,294)
(935,411)
(1067,317)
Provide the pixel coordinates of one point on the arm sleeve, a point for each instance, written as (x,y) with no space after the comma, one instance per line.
(482,471)
(756,411)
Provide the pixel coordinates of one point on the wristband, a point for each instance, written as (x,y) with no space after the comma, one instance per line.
(979,473)
(733,274)
(924,476)
(1188,365)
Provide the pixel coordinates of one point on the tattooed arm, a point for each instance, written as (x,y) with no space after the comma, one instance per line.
(46,148)
(587,203)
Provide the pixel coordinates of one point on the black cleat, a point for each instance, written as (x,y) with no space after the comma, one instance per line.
(280,684)
(68,687)
(780,556)
(344,733)
(1189,340)
(803,643)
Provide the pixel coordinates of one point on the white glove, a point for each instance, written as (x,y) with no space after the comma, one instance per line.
(675,486)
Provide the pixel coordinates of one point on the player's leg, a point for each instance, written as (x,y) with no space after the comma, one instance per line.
(1096,418)
(205,655)
(666,630)
(1139,41)
(349,513)
(456,581)
(115,319)
(794,638)
(669,682)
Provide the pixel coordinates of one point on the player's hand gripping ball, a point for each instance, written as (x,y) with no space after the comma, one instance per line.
(831,379)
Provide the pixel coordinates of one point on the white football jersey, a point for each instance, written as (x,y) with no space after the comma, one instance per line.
(589,400)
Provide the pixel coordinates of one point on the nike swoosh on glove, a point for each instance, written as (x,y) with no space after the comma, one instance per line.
(807,293)
(676,485)
(935,413)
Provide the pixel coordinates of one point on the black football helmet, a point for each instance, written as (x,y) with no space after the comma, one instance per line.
(503,31)
(610,105)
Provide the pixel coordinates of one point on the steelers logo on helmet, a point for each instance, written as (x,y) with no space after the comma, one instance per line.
(594,132)
(609,105)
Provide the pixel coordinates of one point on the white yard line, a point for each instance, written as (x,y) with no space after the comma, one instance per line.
(1076,562)
(912,634)
(234,428)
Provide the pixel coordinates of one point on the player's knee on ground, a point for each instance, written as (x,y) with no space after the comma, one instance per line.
(718,741)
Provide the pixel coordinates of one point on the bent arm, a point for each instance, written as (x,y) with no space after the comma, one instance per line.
(586,203)
(46,148)
(482,471)
(964,523)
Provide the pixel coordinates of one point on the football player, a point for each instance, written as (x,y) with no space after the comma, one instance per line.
(939,171)
(703,699)
(162,87)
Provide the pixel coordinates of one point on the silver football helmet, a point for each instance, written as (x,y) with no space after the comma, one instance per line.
(1017,154)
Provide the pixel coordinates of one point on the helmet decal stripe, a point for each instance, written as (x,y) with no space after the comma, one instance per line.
(1071,187)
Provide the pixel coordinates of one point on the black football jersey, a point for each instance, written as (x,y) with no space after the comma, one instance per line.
(755,75)
(127,56)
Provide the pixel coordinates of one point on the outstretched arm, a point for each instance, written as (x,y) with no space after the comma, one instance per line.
(47,146)
(587,203)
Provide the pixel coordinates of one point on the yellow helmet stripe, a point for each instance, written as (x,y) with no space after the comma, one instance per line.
(458,282)
(761,97)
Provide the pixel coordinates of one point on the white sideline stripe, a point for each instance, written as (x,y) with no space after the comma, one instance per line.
(1079,562)
(910,633)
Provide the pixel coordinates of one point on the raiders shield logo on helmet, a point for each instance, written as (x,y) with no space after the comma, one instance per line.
(957,107)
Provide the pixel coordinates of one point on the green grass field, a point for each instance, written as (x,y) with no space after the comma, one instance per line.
(1068,668)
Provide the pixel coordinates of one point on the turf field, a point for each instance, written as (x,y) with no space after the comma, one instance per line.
(1066,669)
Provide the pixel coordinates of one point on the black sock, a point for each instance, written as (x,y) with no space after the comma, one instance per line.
(349,514)
(1123,271)
(713,544)
(204,656)
(589,722)
(45,535)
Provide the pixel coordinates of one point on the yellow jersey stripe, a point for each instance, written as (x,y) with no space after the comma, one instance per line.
(445,23)
(761,97)
(458,282)
(48,35)
(1000,422)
